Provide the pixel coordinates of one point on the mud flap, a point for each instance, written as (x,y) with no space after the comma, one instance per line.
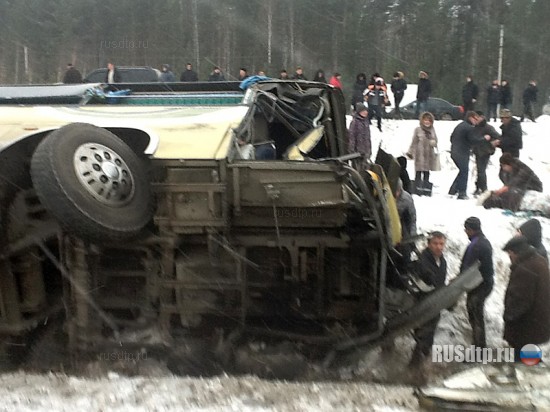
(410,319)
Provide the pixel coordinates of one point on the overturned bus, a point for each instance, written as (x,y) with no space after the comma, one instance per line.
(144,226)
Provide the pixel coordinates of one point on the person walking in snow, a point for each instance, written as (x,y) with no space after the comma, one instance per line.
(479,250)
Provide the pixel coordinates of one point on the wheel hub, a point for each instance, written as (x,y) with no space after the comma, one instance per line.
(104,174)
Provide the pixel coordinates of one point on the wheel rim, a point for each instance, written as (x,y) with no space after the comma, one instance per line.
(104,174)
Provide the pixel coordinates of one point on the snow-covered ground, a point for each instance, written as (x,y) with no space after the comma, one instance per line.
(162,392)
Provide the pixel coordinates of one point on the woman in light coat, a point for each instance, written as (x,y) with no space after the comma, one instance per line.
(423,150)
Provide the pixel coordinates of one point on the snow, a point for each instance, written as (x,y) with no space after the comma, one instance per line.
(163,392)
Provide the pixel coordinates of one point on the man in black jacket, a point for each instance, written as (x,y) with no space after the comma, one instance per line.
(529,100)
(479,250)
(493,98)
(423,92)
(463,138)
(512,135)
(72,75)
(189,75)
(505,95)
(398,87)
(469,94)
(483,151)
(433,271)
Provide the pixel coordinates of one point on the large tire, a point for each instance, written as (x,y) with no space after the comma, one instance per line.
(92,183)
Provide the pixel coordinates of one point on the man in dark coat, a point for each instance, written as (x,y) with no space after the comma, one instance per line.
(517,178)
(398,87)
(463,138)
(299,74)
(479,250)
(529,100)
(505,95)
(527,300)
(469,94)
(511,140)
(493,97)
(432,269)
(72,75)
(216,75)
(423,92)
(358,89)
(532,231)
(189,75)
(483,151)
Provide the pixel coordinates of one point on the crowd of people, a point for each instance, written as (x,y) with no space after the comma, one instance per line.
(527,301)
(526,304)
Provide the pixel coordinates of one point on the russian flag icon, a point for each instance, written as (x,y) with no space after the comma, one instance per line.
(530,354)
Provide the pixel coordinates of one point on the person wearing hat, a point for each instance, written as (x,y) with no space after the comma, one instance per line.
(423,92)
(529,100)
(527,299)
(398,87)
(532,231)
(359,132)
(479,250)
(72,75)
(216,75)
(511,140)
(423,150)
(376,99)
(166,74)
(517,178)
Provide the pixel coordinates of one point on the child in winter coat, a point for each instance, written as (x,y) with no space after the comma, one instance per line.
(423,150)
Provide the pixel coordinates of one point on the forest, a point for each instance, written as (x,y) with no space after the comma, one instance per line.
(447,38)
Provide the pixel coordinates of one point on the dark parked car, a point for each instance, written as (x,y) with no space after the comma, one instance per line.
(441,109)
(127,74)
